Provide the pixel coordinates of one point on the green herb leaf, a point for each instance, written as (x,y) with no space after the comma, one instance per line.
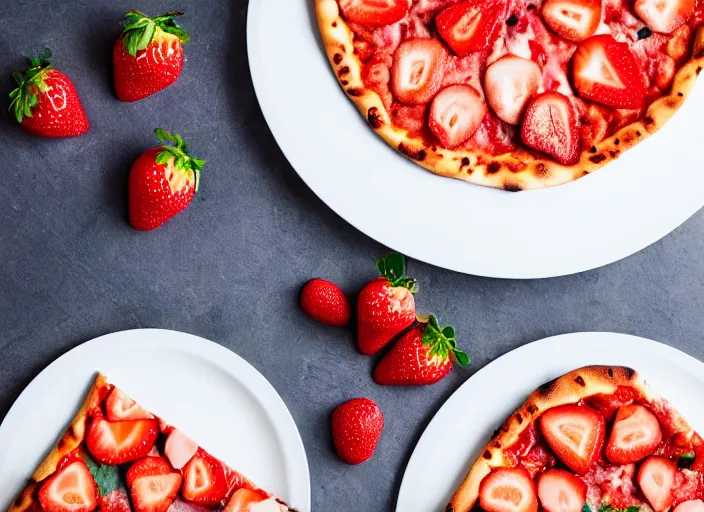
(106,477)
(586,508)
(688,455)
(609,508)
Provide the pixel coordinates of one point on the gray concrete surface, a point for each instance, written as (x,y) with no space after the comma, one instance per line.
(230,268)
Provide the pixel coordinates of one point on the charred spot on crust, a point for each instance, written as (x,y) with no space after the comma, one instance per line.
(18,501)
(610,372)
(584,173)
(648,120)
(373,118)
(487,455)
(532,409)
(680,94)
(698,70)
(617,141)
(597,158)
(410,153)
(638,133)
(630,372)
(512,187)
(579,380)
(334,24)
(493,168)
(541,170)
(355,92)
(343,71)
(337,58)
(344,82)
(519,418)
(614,153)
(547,387)
(592,149)
(449,508)
(699,54)
(465,162)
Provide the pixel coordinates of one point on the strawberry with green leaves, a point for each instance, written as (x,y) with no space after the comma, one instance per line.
(148,56)
(45,101)
(424,355)
(162,182)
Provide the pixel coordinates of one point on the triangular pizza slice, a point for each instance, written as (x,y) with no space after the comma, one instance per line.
(118,457)
(595,440)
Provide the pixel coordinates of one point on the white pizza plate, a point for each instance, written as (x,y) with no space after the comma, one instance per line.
(604,217)
(462,427)
(210,393)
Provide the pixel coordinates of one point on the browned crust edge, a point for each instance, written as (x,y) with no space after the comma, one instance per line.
(479,167)
(567,389)
(71,439)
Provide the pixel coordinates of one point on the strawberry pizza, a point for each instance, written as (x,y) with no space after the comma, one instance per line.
(594,440)
(118,457)
(514,94)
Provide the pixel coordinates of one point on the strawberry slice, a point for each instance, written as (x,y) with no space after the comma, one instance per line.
(690,506)
(508,84)
(550,126)
(606,71)
(416,75)
(575,433)
(71,489)
(574,20)
(120,407)
(455,114)
(656,479)
(471,26)
(508,490)
(635,434)
(153,484)
(204,481)
(374,13)
(561,491)
(664,16)
(242,501)
(115,443)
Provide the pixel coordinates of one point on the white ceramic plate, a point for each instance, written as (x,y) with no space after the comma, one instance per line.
(210,393)
(463,426)
(597,220)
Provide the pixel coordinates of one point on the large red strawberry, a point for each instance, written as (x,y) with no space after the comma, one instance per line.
(373,13)
(508,490)
(117,442)
(356,429)
(664,16)
(416,74)
(70,488)
(550,125)
(561,491)
(656,479)
(204,480)
(162,182)
(575,20)
(385,306)
(424,355)
(471,26)
(153,484)
(635,435)
(324,301)
(148,56)
(120,407)
(45,101)
(455,114)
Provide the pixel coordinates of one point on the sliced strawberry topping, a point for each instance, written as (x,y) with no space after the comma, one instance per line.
(688,486)
(179,448)
(417,70)
(508,84)
(635,435)
(508,490)
(574,20)
(550,126)
(656,479)
(664,16)
(115,443)
(561,491)
(153,484)
(471,26)
(71,489)
(120,407)
(691,506)
(374,13)
(575,433)
(455,114)
(606,71)
(204,480)
(241,501)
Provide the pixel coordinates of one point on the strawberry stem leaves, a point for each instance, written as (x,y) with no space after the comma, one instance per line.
(25,96)
(140,30)
(442,343)
(393,268)
(178,150)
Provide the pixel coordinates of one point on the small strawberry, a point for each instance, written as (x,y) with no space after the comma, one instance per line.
(70,488)
(153,484)
(424,355)
(324,301)
(356,429)
(148,56)
(162,182)
(204,480)
(385,306)
(46,103)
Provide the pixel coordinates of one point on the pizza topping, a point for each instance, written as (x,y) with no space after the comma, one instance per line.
(635,434)
(179,448)
(508,490)
(120,407)
(606,71)
(690,506)
(71,489)
(644,33)
(656,479)
(470,26)
(374,13)
(153,484)
(574,20)
(574,432)
(417,70)
(561,491)
(117,442)
(204,480)
(664,16)
(508,84)
(688,486)
(550,126)
(244,500)
(455,114)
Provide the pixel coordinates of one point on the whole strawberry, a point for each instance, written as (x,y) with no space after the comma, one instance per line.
(424,355)
(356,429)
(148,56)
(46,103)
(324,301)
(385,306)
(162,182)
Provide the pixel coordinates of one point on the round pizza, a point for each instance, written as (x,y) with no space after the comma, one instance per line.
(514,94)
(594,440)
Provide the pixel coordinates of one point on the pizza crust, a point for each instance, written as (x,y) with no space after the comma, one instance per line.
(480,167)
(71,439)
(568,389)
